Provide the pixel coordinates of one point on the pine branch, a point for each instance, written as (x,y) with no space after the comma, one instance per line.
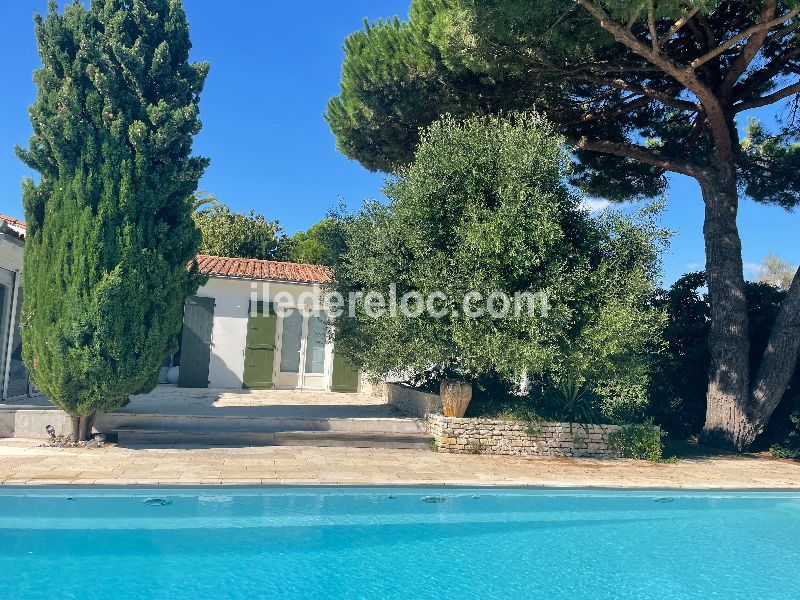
(678,25)
(782,33)
(610,114)
(769,99)
(728,44)
(686,76)
(751,48)
(763,75)
(621,84)
(651,25)
(650,156)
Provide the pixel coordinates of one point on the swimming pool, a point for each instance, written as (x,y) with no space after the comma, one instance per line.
(396,543)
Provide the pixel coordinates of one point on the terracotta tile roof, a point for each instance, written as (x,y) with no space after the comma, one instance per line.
(250,268)
(244,268)
(16,225)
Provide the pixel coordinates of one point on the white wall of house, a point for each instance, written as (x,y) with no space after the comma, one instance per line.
(11,261)
(229,331)
(10,253)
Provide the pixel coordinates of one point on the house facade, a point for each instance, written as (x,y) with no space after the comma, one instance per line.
(256,324)
(13,375)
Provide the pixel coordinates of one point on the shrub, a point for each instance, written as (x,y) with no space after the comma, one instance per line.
(785,451)
(790,446)
(642,440)
(484,209)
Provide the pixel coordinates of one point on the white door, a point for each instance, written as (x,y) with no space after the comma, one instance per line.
(301,350)
(290,345)
(314,352)
(7,284)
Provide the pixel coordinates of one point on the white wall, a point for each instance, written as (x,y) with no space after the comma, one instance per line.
(229,331)
(10,259)
(10,254)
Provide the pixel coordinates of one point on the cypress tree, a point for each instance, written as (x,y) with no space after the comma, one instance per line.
(110,231)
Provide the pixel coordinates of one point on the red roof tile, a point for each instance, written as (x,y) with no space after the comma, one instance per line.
(15,224)
(245,268)
(250,268)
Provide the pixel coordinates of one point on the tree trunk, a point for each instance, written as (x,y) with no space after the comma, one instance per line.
(780,359)
(76,428)
(82,427)
(728,424)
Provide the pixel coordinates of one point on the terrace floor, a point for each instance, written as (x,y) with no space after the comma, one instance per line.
(171,400)
(28,462)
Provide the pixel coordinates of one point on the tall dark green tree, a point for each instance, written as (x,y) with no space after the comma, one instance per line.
(110,231)
(639,88)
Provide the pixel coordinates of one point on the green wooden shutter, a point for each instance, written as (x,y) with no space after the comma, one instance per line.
(345,375)
(259,354)
(198,320)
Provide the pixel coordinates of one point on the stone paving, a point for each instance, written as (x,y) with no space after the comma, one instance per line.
(27,462)
(171,400)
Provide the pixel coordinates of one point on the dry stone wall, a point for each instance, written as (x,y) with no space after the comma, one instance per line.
(488,436)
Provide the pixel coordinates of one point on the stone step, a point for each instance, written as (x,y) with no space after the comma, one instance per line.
(107,423)
(209,437)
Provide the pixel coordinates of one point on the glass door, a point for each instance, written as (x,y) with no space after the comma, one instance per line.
(7,280)
(17,373)
(314,359)
(290,344)
(301,350)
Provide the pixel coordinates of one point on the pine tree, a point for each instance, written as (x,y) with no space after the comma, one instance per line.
(110,231)
(639,89)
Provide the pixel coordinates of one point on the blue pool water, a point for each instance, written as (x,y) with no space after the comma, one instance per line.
(397,543)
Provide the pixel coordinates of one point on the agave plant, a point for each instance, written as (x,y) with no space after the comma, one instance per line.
(577,405)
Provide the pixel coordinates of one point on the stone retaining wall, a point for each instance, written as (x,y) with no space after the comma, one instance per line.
(413,402)
(32,423)
(488,436)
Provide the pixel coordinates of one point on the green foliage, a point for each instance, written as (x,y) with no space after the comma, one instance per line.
(642,440)
(770,166)
(203,199)
(110,232)
(385,63)
(639,88)
(786,451)
(320,245)
(576,403)
(784,429)
(680,379)
(475,448)
(483,208)
(239,235)
(466,58)
(560,399)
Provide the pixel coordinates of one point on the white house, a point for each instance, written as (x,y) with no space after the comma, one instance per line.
(254,324)
(13,375)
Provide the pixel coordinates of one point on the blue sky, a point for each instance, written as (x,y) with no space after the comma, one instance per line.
(273,67)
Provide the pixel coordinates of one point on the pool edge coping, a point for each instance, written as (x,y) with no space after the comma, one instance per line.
(329,486)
